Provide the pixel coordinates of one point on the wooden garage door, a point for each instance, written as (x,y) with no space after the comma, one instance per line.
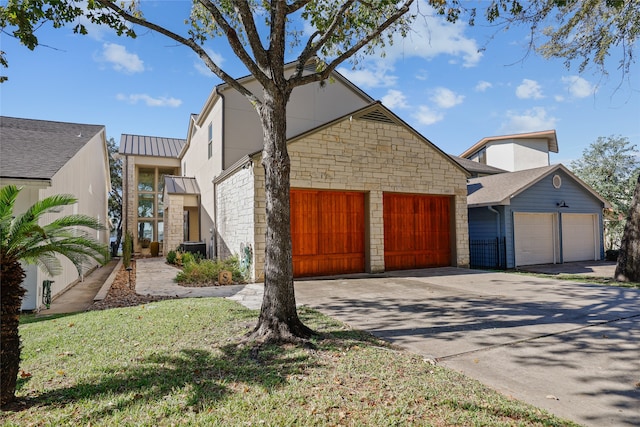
(534,238)
(579,241)
(327,232)
(416,231)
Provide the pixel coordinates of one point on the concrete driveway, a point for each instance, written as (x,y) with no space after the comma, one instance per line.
(573,349)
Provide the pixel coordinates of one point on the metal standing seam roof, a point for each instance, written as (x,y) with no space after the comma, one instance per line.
(38,149)
(180,185)
(153,146)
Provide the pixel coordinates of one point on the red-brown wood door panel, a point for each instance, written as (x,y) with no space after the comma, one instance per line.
(416,231)
(327,232)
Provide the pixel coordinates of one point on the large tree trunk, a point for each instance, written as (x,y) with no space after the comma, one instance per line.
(278,321)
(11,293)
(628,266)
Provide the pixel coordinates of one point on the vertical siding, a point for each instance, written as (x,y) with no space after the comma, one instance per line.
(543,197)
(85,176)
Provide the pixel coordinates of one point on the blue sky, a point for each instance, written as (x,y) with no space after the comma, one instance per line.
(453,83)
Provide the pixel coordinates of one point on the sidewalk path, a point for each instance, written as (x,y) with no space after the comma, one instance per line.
(80,296)
(155,277)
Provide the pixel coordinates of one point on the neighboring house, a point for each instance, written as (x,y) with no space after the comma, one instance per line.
(47,158)
(514,152)
(368,192)
(146,162)
(535,215)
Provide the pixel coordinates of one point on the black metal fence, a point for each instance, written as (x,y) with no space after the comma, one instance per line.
(491,253)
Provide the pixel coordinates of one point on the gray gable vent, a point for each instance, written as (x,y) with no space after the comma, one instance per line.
(310,67)
(378,116)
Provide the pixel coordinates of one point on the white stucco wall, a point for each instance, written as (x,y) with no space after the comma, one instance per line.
(518,154)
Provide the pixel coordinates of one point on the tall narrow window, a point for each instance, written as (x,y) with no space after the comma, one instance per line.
(210,144)
(151,204)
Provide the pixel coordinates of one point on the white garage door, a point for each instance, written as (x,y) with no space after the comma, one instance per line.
(579,241)
(534,238)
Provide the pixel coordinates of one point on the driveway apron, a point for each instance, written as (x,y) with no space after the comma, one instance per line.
(570,348)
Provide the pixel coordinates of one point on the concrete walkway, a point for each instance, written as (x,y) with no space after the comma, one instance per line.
(155,277)
(81,295)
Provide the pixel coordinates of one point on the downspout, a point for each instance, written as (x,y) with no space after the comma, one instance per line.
(497,219)
(214,232)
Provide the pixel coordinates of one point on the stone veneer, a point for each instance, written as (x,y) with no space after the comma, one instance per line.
(357,155)
(235,215)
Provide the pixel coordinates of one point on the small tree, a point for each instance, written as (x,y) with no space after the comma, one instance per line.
(115,195)
(24,240)
(609,165)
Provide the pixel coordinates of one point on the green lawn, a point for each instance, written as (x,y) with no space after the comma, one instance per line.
(178,362)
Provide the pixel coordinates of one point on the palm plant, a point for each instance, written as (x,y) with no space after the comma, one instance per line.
(24,240)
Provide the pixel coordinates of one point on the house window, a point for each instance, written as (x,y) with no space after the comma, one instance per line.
(210,144)
(482,156)
(150,225)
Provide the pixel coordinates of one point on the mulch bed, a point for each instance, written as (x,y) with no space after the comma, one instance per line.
(123,294)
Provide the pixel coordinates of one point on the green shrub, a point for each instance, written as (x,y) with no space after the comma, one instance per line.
(207,271)
(154,248)
(171,257)
(127,249)
(188,258)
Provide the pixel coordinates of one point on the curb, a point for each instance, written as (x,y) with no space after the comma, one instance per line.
(102,293)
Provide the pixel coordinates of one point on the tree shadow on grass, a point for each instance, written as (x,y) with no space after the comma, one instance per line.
(192,379)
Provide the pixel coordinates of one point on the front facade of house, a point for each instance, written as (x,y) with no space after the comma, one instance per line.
(47,158)
(368,193)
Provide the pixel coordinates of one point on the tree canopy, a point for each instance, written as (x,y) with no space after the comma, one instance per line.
(610,166)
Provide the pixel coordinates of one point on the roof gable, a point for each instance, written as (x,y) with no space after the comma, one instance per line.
(501,188)
(38,149)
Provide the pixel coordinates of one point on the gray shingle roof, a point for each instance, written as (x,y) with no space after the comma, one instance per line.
(499,189)
(180,185)
(37,149)
(140,145)
(476,167)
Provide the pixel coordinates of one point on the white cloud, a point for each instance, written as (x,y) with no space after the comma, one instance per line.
(394,99)
(446,98)
(120,59)
(375,75)
(482,86)
(432,36)
(427,116)
(535,119)
(578,87)
(529,89)
(202,68)
(150,101)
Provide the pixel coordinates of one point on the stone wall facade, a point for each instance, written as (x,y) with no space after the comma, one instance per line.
(235,219)
(372,157)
